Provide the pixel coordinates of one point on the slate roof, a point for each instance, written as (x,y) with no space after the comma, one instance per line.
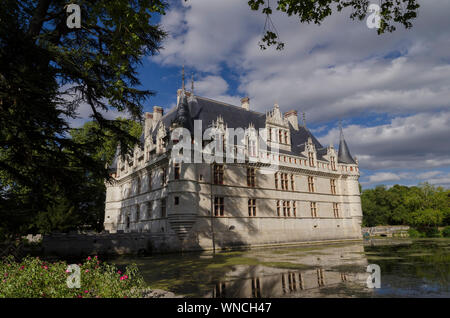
(205,109)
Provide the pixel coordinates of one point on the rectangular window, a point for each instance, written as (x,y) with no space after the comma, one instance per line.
(138,214)
(311,158)
(285,137)
(288,208)
(292,182)
(163,208)
(278,208)
(251,207)
(284,181)
(280,136)
(333,186)
(276,180)
(251,177)
(149,209)
(176,200)
(149,180)
(176,172)
(336,210)
(218,174)
(284,209)
(269,136)
(311,184)
(294,208)
(218,206)
(164,176)
(314,209)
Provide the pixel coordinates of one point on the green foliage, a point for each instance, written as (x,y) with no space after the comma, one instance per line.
(415,233)
(46,72)
(446,232)
(424,206)
(34,278)
(316,11)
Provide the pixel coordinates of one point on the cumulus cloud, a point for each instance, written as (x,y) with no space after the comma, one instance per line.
(340,69)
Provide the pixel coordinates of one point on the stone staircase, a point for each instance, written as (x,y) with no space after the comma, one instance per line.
(182,223)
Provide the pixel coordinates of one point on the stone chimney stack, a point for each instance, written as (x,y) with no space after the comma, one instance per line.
(245,103)
(292,117)
(157,114)
(148,124)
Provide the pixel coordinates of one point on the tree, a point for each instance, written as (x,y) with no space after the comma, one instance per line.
(316,11)
(46,71)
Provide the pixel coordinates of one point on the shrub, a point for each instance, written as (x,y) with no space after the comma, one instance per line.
(33,277)
(415,233)
(446,231)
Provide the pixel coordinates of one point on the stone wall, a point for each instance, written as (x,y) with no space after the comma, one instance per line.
(388,231)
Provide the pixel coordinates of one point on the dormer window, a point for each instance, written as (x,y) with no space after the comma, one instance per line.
(311,158)
(333,163)
(252,148)
(285,137)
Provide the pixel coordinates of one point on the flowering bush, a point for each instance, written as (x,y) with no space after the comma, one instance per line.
(33,277)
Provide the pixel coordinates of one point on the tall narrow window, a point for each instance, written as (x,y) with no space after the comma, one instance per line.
(333,186)
(269,136)
(288,208)
(292,182)
(314,209)
(278,208)
(311,184)
(138,185)
(149,209)
(284,181)
(163,208)
(311,158)
(138,214)
(333,163)
(336,210)
(280,136)
(284,209)
(294,208)
(285,137)
(252,148)
(251,207)
(256,288)
(276,180)
(176,200)
(251,177)
(218,206)
(218,174)
(164,176)
(176,171)
(149,181)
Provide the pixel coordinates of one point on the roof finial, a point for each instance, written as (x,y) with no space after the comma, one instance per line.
(304,119)
(182,78)
(192,84)
(341,132)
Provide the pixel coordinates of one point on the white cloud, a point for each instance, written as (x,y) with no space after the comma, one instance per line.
(383,176)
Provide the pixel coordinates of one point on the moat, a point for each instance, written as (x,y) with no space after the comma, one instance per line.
(409,268)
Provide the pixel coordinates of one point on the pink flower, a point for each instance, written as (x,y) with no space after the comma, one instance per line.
(21,267)
(87,270)
(95,256)
(6,275)
(89,258)
(45,267)
(67,271)
(124,277)
(119,272)
(86,291)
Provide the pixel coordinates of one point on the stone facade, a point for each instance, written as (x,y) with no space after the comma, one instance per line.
(311,195)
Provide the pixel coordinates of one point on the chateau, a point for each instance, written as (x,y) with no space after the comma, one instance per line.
(287,189)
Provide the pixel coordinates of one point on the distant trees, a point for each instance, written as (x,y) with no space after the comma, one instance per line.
(424,207)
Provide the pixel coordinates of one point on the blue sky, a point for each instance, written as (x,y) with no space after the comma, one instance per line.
(392,92)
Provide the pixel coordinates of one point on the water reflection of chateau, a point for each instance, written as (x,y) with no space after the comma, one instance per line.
(334,266)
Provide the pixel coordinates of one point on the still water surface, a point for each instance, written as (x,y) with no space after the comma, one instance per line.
(409,268)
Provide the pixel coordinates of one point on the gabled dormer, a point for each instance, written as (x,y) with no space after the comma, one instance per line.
(278,132)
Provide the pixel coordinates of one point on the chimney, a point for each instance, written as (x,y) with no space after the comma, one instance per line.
(291,116)
(157,114)
(148,124)
(245,103)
